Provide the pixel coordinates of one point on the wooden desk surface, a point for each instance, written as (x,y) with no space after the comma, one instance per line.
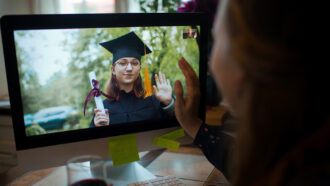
(155,158)
(214,115)
(165,162)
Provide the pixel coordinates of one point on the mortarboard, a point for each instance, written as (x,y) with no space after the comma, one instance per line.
(128,45)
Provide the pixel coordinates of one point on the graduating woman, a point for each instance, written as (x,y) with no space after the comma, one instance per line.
(127,101)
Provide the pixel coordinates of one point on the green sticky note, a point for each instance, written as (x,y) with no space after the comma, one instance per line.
(123,149)
(174,134)
(166,143)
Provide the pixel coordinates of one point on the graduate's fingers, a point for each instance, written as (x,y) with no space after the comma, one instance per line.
(168,82)
(164,78)
(154,89)
(96,111)
(160,76)
(97,117)
(101,119)
(99,113)
(101,123)
(157,80)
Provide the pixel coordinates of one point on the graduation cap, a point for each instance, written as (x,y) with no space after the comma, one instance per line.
(128,45)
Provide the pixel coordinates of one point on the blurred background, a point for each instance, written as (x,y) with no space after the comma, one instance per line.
(73,7)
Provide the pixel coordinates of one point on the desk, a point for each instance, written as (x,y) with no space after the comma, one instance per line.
(188,163)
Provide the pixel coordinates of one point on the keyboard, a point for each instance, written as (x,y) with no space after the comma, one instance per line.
(160,181)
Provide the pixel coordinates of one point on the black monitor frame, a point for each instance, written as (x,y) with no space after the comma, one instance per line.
(29,22)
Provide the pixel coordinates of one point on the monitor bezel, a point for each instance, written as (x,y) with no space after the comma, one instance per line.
(29,22)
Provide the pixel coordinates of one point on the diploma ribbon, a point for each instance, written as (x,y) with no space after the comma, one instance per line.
(96,92)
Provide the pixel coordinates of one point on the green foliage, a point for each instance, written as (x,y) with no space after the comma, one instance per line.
(84,123)
(73,119)
(168,48)
(34,129)
(153,6)
(78,121)
(30,85)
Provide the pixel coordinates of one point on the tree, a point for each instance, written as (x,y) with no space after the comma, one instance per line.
(29,84)
(154,6)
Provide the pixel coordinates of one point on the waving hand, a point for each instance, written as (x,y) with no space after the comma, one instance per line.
(163,91)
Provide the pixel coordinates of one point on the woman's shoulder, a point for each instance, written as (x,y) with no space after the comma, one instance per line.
(150,98)
(137,102)
(306,163)
(316,173)
(107,102)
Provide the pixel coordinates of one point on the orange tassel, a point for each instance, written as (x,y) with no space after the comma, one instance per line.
(147,83)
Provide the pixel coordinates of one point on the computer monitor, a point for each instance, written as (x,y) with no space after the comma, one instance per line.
(48,60)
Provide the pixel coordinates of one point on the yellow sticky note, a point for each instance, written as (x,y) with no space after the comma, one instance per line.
(123,149)
(166,143)
(174,134)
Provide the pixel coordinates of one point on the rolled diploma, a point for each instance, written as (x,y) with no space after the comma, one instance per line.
(98,100)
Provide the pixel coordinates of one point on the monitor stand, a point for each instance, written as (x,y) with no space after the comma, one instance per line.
(120,175)
(128,173)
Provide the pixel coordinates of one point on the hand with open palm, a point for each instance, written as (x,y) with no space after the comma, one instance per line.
(163,89)
(186,107)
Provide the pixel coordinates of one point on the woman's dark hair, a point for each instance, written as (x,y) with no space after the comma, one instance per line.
(113,89)
(285,101)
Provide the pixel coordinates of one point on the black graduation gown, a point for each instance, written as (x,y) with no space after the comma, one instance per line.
(129,108)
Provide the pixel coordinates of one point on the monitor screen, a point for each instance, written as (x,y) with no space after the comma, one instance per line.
(54,68)
(64,64)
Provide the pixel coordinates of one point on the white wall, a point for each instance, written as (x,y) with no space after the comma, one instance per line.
(10,7)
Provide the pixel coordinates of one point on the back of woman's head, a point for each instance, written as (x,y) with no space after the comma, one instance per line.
(284,97)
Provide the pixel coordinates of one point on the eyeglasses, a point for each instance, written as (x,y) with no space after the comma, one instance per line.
(124,64)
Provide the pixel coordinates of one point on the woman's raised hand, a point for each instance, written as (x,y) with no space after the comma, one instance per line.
(186,108)
(163,91)
(101,119)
